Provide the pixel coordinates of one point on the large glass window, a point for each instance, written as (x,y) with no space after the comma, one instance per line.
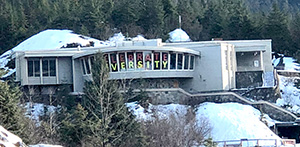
(48,67)
(30,68)
(139,60)
(87,65)
(122,61)
(33,68)
(192,62)
(186,61)
(45,65)
(156,60)
(83,68)
(173,61)
(148,60)
(36,68)
(179,61)
(165,59)
(52,67)
(113,62)
(130,61)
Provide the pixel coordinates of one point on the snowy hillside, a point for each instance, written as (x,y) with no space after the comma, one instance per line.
(289,92)
(230,121)
(8,139)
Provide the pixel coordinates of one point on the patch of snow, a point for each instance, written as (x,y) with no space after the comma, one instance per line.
(230,121)
(238,122)
(268,79)
(36,110)
(7,139)
(118,37)
(178,35)
(289,63)
(289,93)
(139,38)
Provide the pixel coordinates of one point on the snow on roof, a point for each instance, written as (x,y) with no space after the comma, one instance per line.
(7,139)
(178,35)
(55,39)
(118,37)
(52,39)
(139,38)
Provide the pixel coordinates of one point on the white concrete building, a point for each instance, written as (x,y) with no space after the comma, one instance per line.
(192,66)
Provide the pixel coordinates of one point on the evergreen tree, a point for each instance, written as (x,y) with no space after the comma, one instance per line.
(111,123)
(169,18)
(74,126)
(211,22)
(11,114)
(276,28)
(151,18)
(239,25)
(125,18)
(102,119)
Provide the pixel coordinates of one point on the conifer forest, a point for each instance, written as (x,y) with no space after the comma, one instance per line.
(201,19)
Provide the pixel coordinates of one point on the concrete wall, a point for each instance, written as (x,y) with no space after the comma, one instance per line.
(78,79)
(228,66)
(208,70)
(65,75)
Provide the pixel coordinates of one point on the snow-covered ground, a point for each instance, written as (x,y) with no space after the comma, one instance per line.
(8,139)
(229,121)
(289,92)
(290,64)
(36,110)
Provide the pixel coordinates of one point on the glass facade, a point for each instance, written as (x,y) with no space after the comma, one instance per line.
(48,67)
(143,61)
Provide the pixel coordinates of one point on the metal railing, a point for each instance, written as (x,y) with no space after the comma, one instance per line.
(257,143)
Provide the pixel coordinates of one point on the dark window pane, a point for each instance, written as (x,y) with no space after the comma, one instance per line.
(165,60)
(192,62)
(45,68)
(113,62)
(87,66)
(52,68)
(173,61)
(122,62)
(106,60)
(157,60)
(83,68)
(92,58)
(30,68)
(148,60)
(186,61)
(139,60)
(179,61)
(37,68)
(130,61)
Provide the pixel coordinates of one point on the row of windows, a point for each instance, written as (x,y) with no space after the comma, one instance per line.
(147,60)
(48,67)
